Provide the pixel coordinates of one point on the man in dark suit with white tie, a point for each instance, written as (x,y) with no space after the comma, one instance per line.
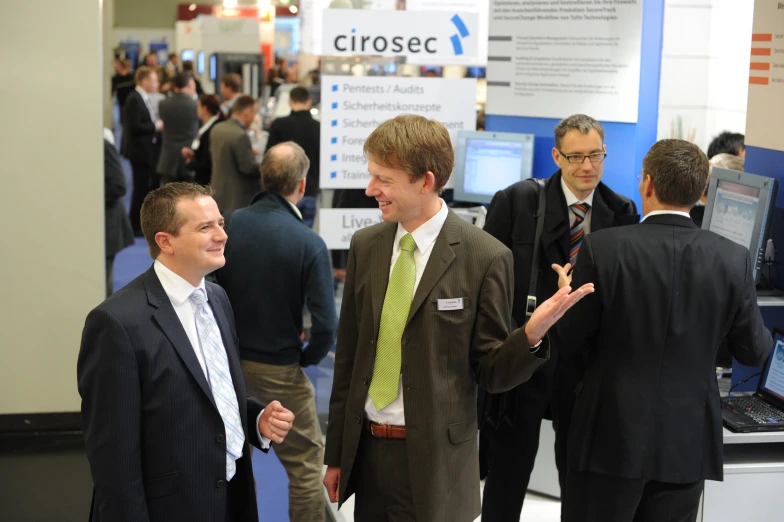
(180,126)
(140,134)
(425,317)
(167,424)
(647,429)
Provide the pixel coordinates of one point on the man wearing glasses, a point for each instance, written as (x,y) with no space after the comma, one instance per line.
(577,202)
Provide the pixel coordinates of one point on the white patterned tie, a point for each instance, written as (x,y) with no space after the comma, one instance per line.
(219,378)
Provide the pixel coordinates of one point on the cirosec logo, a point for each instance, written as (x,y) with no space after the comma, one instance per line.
(431,34)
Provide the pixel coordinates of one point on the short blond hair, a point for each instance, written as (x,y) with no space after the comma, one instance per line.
(142,73)
(159,210)
(414,144)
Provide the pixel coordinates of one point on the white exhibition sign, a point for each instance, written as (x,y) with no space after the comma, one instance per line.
(353,106)
(480,7)
(337,225)
(766,77)
(550,59)
(434,37)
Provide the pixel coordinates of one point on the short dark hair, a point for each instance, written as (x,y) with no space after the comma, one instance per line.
(578,122)
(283,167)
(181,80)
(241,103)
(212,104)
(299,95)
(159,210)
(678,171)
(187,66)
(233,81)
(729,142)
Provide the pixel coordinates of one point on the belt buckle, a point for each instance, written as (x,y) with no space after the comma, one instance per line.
(384,429)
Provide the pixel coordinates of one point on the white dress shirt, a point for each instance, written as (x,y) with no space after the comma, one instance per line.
(662,212)
(179,291)
(146,99)
(571,199)
(424,237)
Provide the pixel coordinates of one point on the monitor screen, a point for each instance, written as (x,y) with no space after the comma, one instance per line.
(772,381)
(186,55)
(200,63)
(487,162)
(213,68)
(739,207)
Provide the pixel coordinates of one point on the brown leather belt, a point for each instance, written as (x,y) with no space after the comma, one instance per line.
(385,431)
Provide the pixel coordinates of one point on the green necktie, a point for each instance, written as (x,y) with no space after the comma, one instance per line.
(394,314)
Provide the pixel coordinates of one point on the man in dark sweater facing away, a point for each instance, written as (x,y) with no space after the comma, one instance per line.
(275,265)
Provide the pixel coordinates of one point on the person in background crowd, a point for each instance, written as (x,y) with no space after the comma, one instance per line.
(122,82)
(187,66)
(728,142)
(300,127)
(118,231)
(230,89)
(198,153)
(180,126)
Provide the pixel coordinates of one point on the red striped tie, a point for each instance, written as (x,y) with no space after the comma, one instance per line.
(576,233)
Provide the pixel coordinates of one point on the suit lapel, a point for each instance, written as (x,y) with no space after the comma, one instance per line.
(555,242)
(601,215)
(172,328)
(379,278)
(438,263)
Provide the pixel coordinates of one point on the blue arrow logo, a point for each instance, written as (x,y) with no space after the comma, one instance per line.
(457,44)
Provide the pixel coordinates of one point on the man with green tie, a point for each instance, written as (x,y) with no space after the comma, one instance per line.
(425,317)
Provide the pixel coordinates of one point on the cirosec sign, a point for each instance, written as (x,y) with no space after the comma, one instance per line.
(440,36)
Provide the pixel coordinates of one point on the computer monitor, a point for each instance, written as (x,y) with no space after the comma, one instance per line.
(213,68)
(486,162)
(771,384)
(186,55)
(740,208)
(200,63)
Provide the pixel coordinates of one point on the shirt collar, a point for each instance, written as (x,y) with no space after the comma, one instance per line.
(142,93)
(239,123)
(294,208)
(177,288)
(426,234)
(571,199)
(208,124)
(662,212)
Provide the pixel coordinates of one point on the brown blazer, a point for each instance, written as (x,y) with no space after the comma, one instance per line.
(445,354)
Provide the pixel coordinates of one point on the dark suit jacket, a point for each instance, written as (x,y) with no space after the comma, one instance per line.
(235,173)
(118,231)
(666,295)
(202,159)
(138,131)
(511,220)
(153,435)
(180,126)
(444,355)
(302,129)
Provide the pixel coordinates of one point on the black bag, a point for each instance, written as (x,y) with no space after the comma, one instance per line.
(496,409)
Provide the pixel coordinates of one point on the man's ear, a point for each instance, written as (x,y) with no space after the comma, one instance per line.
(430,181)
(163,240)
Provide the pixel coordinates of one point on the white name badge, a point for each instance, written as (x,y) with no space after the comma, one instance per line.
(450,304)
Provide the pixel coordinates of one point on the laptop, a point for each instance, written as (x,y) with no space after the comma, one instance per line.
(763,411)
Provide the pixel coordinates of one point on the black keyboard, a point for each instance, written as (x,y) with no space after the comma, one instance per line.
(756,409)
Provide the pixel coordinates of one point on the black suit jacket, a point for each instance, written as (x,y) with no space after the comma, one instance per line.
(180,126)
(202,160)
(511,220)
(667,294)
(302,129)
(118,231)
(138,131)
(154,437)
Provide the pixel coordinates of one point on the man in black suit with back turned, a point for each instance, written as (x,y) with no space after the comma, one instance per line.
(647,428)
(140,134)
(577,203)
(167,424)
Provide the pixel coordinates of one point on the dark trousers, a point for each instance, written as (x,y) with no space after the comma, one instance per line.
(383,485)
(595,497)
(512,452)
(144,177)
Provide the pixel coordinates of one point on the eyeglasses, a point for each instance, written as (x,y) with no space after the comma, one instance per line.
(595,157)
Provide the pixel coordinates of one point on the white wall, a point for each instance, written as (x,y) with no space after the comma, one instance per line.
(705,68)
(51,201)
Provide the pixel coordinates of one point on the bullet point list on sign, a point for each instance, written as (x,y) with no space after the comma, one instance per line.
(335,105)
(334,123)
(334,88)
(334,141)
(333,175)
